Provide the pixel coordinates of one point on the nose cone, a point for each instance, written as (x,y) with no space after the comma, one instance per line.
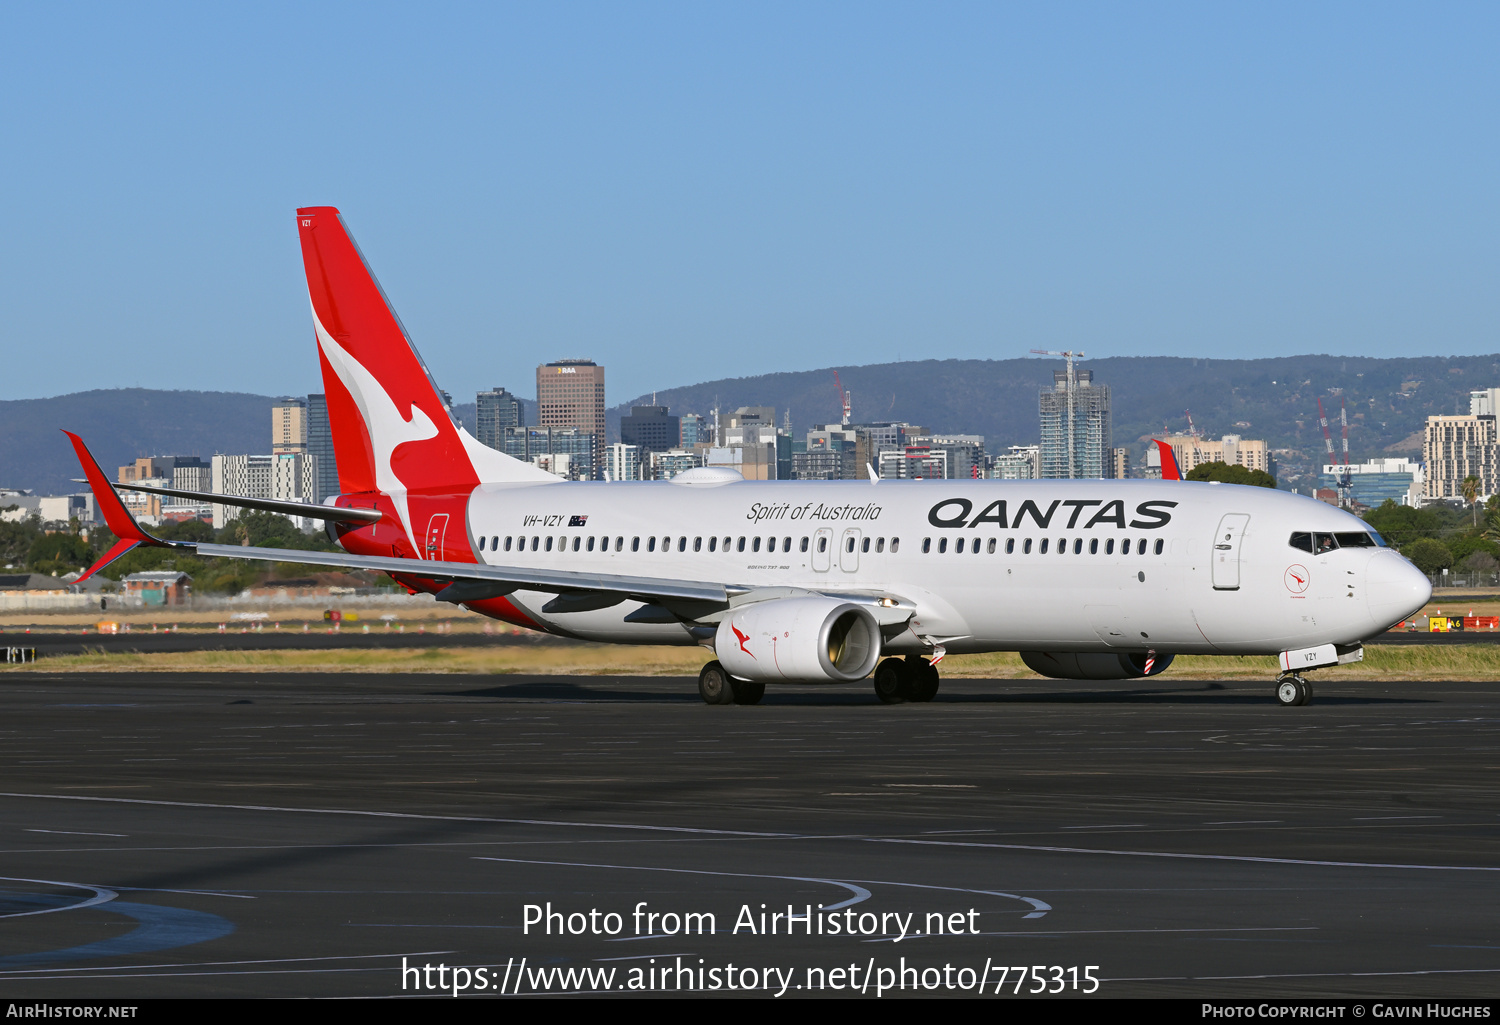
(1394,589)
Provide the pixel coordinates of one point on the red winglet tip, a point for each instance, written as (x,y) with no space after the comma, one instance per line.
(116,550)
(1169,470)
(115,514)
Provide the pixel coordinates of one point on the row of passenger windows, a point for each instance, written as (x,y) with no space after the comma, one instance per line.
(771,544)
(1318,544)
(1042,546)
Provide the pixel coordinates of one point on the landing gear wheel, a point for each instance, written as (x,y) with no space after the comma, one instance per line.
(1293,691)
(924,683)
(890,681)
(714,685)
(746,692)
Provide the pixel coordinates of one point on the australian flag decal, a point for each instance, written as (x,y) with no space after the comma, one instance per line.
(577,521)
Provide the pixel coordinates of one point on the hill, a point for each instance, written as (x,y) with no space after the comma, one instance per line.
(121,424)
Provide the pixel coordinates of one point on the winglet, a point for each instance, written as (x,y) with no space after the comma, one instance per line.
(115,514)
(1169,470)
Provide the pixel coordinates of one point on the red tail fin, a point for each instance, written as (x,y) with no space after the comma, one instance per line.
(391,430)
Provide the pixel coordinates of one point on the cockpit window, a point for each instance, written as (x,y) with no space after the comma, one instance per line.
(1356,539)
(1324,543)
(1302,541)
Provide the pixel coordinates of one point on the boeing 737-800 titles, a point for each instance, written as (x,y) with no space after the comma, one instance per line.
(808,580)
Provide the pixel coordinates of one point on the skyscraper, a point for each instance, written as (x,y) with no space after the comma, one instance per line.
(650,428)
(320,446)
(289,426)
(496,410)
(570,393)
(1076,438)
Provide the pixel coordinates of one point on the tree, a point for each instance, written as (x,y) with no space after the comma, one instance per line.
(1428,555)
(1470,488)
(1227,474)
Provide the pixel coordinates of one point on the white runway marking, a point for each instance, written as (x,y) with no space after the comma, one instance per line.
(1190,857)
(860,893)
(101,896)
(398,815)
(73,832)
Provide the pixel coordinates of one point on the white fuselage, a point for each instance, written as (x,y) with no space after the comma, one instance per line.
(1085,565)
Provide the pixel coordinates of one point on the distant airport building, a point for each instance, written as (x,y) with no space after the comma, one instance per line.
(570,393)
(1075,421)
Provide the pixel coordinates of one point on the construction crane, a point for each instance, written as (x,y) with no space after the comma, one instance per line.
(1193,432)
(1070,356)
(844,397)
(1344,480)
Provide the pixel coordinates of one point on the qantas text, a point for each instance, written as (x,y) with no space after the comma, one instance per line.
(955,512)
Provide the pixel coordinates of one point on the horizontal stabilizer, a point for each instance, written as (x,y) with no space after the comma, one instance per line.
(286,507)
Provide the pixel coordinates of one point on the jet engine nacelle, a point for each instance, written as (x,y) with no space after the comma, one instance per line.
(1107,665)
(816,639)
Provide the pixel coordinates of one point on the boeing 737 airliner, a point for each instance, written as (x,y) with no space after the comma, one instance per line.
(808,580)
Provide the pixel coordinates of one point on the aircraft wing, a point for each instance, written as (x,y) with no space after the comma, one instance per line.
(500,579)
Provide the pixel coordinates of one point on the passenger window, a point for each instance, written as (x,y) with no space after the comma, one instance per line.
(591,544)
(697,544)
(507,543)
(804,544)
(535,542)
(958,546)
(635,544)
(879,545)
(1109,546)
(926,545)
(1125,547)
(1093,546)
(726,544)
(1301,540)
(740,547)
(549,544)
(619,543)
(1078,546)
(481,543)
(682,543)
(1026,547)
(1010,546)
(578,543)
(755,544)
(713,544)
(865,546)
(895,544)
(651,544)
(786,544)
(822,545)
(991,546)
(942,545)
(1160,544)
(1140,548)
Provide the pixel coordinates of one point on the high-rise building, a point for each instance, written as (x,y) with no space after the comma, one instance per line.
(1190,449)
(285,475)
(289,426)
(1456,447)
(1020,462)
(693,430)
(1075,417)
(1372,482)
(1484,402)
(320,447)
(496,410)
(650,429)
(529,443)
(622,462)
(668,464)
(570,393)
(965,454)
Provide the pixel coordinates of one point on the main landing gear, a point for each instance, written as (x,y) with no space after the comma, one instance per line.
(910,679)
(717,687)
(1292,689)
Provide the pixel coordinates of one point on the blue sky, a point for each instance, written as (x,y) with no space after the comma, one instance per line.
(692,191)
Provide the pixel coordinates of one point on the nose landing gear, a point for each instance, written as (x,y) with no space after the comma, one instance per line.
(1292,689)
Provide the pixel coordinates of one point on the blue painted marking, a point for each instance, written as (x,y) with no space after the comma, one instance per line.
(160,928)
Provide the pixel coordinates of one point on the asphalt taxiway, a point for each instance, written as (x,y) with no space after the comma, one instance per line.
(293,834)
